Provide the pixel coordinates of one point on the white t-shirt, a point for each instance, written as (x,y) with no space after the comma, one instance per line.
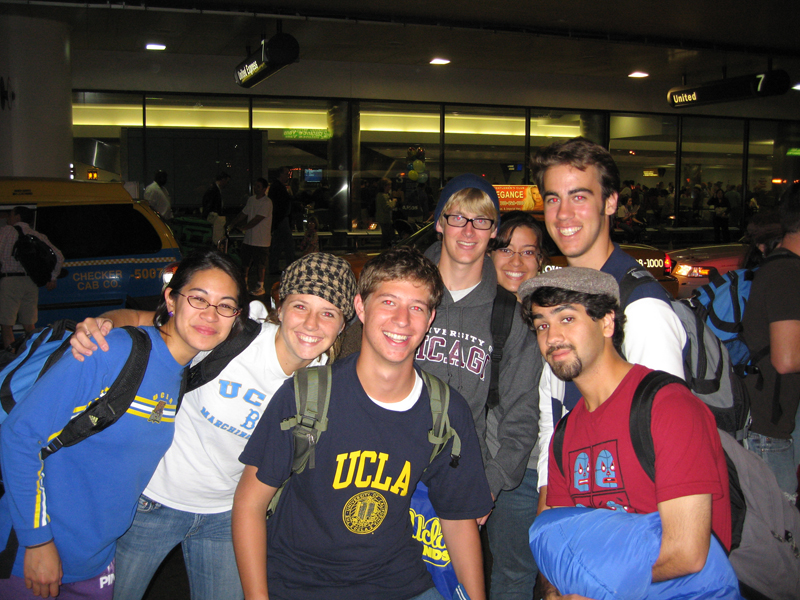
(201,469)
(261,234)
(158,199)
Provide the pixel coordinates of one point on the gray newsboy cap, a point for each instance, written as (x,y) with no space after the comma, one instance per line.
(574,279)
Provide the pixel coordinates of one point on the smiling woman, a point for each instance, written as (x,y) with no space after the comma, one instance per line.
(58,544)
(517,251)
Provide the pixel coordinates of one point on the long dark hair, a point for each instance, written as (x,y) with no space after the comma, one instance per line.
(202,260)
(511,221)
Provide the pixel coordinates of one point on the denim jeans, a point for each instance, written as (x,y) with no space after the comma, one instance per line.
(207,552)
(431,594)
(513,568)
(779,455)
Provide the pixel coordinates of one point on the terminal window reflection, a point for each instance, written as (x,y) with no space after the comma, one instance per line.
(712,159)
(398,142)
(644,148)
(485,141)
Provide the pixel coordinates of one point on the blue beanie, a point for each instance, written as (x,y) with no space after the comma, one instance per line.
(456,184)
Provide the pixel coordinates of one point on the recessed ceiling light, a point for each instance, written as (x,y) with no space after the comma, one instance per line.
(156,47)
(797,87)
(639,74)
(440,61)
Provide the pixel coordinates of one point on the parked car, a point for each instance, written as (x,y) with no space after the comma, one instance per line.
(114,247)
(653,259)
(694,267)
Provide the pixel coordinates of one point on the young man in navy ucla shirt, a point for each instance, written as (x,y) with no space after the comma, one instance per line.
(342,529)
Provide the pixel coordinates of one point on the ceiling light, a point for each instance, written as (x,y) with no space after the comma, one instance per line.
(156,47)
(639,74)
(797,87)
(440,61)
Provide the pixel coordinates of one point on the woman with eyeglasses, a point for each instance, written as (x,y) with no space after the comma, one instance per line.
(68,511)
(189,499)
(516,250)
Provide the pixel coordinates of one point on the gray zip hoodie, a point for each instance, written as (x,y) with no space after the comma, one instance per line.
(458,349)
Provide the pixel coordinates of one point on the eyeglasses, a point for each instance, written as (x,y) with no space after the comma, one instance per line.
(223,310)
(524,254)
(461,221)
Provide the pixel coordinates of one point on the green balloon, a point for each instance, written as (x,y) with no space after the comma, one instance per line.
(413,175)
(419,166)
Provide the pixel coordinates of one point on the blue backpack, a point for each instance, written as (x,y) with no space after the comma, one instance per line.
(721,304)
(40,350)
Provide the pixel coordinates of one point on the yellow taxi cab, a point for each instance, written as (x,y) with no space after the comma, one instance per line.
(114,247)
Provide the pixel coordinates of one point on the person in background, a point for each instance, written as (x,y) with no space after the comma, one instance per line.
(212,199)
(257,228)
(384,205)
(282,241)
(310,243)
(771,329)
(19,296)
(157,196)
(517,251)
(721,216)
(189,498)
(67,511)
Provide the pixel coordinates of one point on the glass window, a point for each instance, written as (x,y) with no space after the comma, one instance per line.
(711,159)
(299,134)
(773,160)
(489,142)
(193,139)
(399,142)
(643,146)
(100,124)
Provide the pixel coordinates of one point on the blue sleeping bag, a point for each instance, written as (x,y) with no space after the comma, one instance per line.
(608,555)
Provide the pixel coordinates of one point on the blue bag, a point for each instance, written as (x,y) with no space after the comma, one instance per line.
(608,555)
(39,351)
(427,531)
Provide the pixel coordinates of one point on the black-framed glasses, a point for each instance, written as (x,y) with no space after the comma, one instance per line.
(223,310)
(523,254)
(481,223)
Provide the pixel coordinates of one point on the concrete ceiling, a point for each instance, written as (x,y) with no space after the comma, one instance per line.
(699,39)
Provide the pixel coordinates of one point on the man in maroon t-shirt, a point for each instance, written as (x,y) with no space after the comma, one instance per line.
(576,317)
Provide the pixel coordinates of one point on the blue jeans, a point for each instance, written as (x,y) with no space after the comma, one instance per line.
(779,455)
(513,568)
(431,594)
(207,552)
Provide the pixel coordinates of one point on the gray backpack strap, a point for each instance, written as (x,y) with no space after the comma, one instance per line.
(312,394)
(441,432)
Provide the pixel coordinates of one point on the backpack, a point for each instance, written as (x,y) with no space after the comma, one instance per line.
(503,309)
(721,304)
(36,257)
(708,370)
(41,350)
(312,394)
(765,527)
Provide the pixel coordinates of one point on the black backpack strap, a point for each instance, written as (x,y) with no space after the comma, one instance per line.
(108,408)
(558,442)
(213,364)
(633,278)
(441,432)
(641,418)
(503,308)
